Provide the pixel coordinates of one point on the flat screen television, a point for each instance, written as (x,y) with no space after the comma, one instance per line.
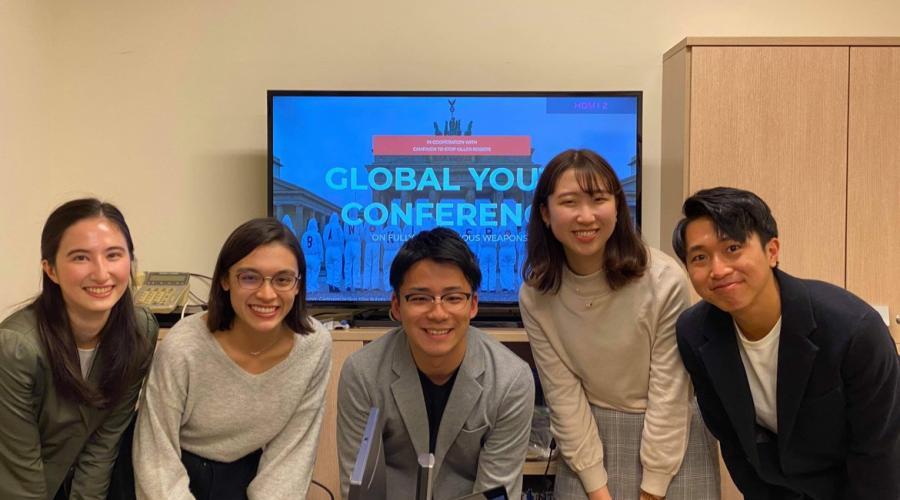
(355,174)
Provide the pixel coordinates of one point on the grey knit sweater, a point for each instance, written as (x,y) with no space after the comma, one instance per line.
(198,399)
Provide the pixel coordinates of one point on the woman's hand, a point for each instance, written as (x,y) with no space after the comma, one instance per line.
(650,496)
(600,494)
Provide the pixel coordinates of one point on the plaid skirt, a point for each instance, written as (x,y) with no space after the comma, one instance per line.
(698,478)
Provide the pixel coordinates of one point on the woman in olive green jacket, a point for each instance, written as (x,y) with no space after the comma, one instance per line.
(73,360)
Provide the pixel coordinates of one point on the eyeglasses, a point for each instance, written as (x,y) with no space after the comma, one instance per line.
(252,280)
(455,301)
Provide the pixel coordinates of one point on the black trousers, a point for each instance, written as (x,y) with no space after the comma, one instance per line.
(211,480)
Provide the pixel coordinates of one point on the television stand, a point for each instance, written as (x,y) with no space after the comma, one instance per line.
(488,317)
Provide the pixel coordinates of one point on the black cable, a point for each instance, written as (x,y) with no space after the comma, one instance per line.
(550,456)
(320,485)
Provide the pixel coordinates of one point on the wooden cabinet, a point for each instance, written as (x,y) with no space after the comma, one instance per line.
(326,471)
(772,120)
(812,125)
(873,179)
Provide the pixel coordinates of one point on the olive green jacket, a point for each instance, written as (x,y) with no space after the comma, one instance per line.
(42,435)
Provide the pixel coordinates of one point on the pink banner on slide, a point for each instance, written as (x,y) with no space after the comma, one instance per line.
(451,145)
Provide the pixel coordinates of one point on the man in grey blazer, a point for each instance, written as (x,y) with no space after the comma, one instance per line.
(443,386)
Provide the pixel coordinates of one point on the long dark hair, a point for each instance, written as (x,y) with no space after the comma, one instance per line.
(625,256)
(243,240)
(122,348)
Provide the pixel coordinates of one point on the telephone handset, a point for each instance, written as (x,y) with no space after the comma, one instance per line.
(163,292)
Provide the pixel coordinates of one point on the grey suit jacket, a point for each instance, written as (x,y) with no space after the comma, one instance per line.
(483,434)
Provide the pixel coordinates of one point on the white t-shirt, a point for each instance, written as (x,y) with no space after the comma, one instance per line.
(86,357)
(760,359)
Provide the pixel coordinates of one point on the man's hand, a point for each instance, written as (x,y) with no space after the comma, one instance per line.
(600,494)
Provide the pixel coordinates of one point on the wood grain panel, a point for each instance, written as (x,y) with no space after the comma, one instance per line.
(326,471)
(774,120)
(784,41)
(873,179)
(675,134)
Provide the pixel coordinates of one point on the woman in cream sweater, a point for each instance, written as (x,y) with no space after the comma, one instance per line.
(600,309)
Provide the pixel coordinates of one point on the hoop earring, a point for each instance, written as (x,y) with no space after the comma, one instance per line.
(391,315)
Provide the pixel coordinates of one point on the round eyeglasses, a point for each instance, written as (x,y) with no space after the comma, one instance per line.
(453,302)
(252,280)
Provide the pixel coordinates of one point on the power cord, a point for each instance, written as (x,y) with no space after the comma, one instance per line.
(320,485)
(197,300)
(549,457)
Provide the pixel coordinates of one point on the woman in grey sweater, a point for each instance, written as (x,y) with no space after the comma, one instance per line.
(235,396)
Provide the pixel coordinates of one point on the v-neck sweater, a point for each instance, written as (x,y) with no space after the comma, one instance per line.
(198,399)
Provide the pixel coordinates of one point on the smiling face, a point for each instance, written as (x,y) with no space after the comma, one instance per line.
(734,276)
(92,268)
(436,332)
(263,309)
(581,221)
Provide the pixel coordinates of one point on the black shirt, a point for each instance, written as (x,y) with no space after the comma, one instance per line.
(436,397)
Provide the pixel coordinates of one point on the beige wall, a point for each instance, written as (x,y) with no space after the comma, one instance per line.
(160,106)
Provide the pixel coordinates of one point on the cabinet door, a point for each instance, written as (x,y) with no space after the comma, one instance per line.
(873,178)
(773,120)
(327,472)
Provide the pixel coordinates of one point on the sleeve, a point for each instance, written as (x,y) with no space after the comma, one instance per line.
(158,472)
(503,453)
(668,417)
(716,419)
(353,403)
(21,466)
(871,373)
(572,422)
(286,466)
(96,460)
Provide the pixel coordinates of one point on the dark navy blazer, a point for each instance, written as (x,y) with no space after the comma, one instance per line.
(837,398)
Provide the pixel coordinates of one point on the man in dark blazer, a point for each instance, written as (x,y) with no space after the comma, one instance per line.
(798,379)
(442,386)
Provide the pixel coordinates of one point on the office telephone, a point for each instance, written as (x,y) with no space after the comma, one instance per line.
(163,292)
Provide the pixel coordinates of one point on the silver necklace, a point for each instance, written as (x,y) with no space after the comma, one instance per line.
(264,349)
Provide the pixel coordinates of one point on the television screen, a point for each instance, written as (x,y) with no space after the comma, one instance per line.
(355,174)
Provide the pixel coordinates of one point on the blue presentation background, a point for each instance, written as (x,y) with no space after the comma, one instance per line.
(312,134)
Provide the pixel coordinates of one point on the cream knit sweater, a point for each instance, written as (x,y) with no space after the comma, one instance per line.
(613,349)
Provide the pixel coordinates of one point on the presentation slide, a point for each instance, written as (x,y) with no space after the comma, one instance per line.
(357,175)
